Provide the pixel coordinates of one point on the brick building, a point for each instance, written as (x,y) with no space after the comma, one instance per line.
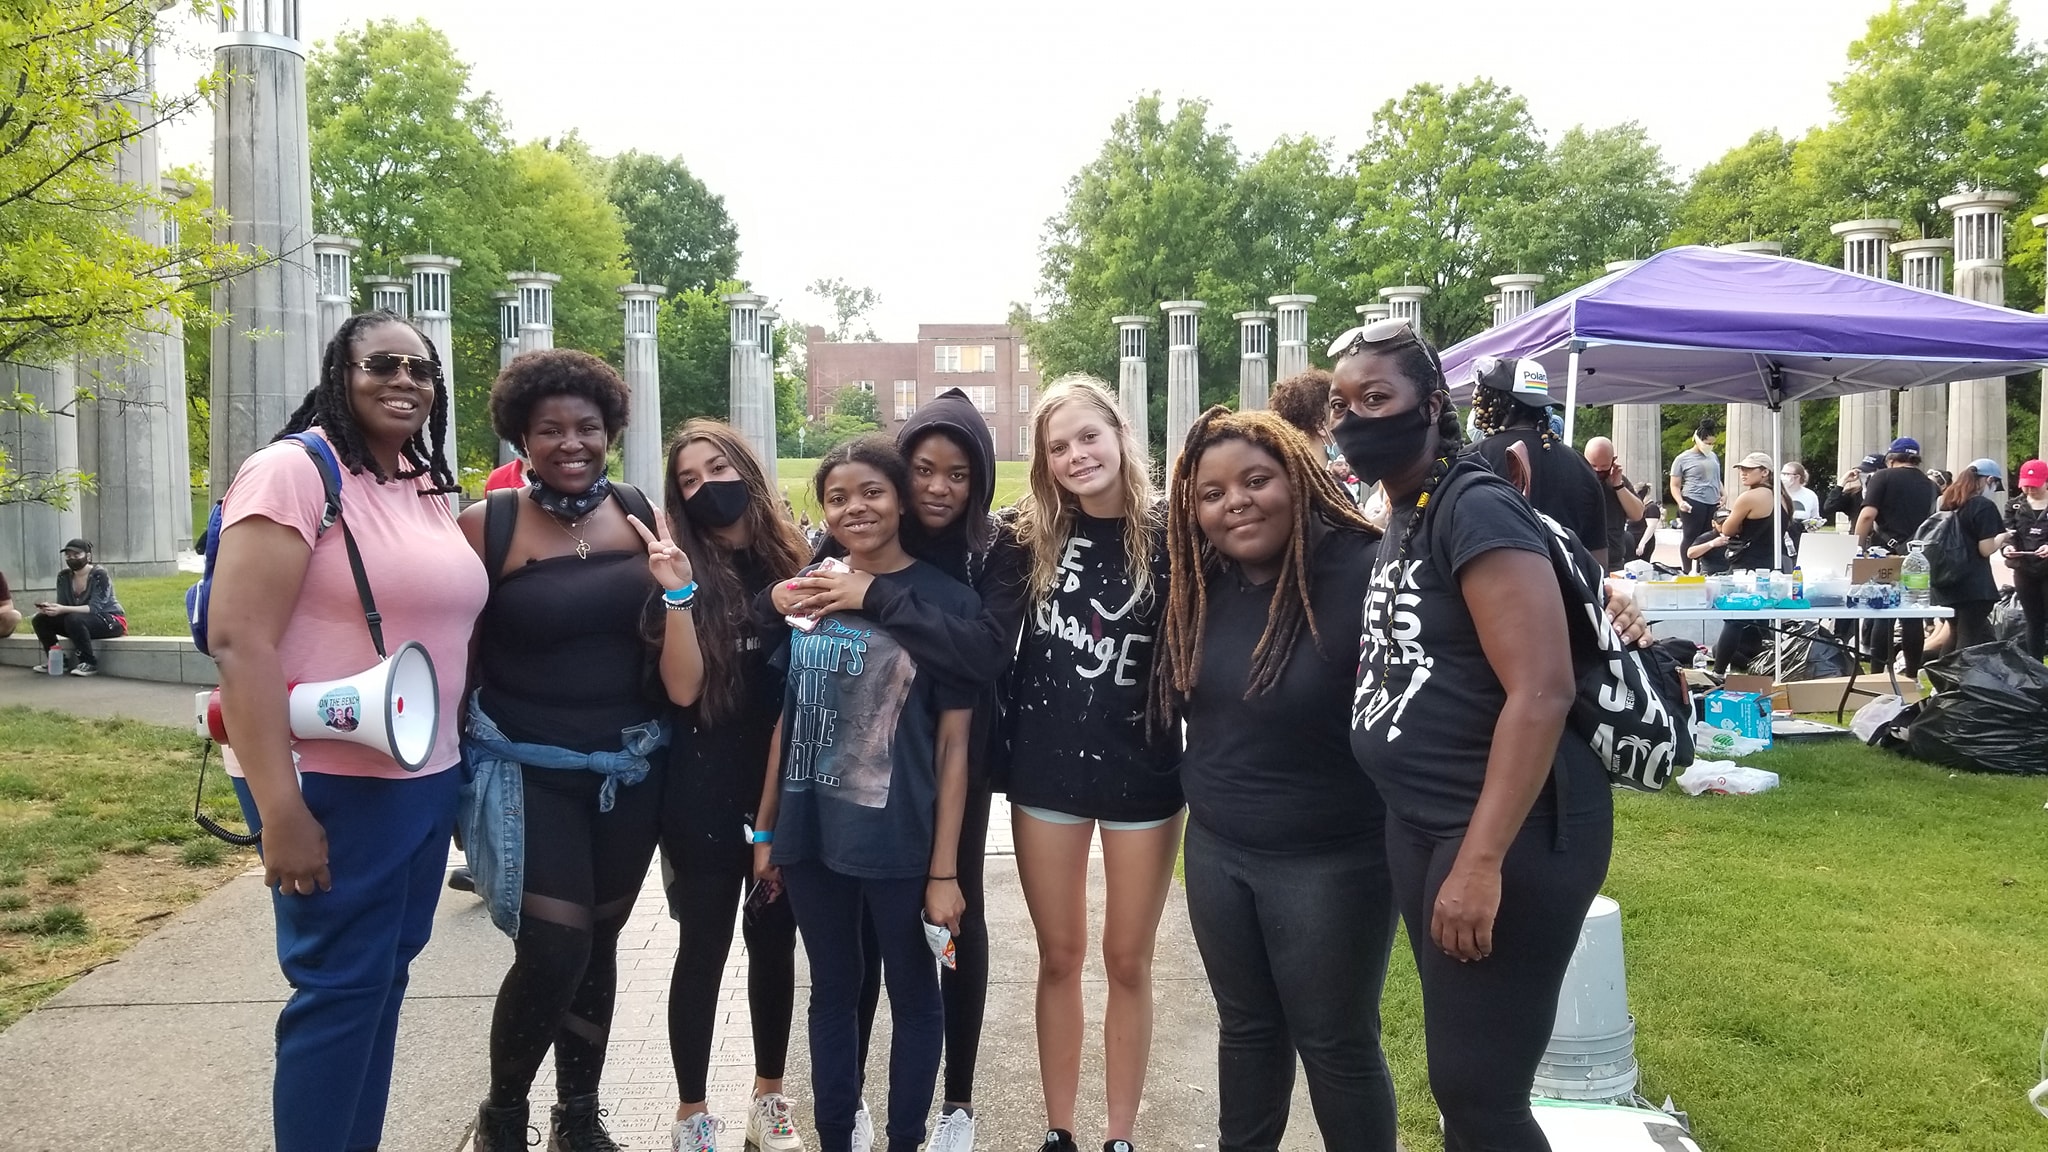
(990,362)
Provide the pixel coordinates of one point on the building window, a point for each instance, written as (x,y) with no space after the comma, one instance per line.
(1023,357)
(988,357)
(1023,398)
(867,386)
(963,358)
(1023,441)
(984,397)
(906,398)
(946,358)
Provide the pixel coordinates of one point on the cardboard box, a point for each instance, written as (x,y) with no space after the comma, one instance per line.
(1761,686)
(1825,694)
(1746,714)
(1884,570)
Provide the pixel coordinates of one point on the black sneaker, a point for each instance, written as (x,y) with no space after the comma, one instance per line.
(1058,1140)
(577,1125)
(461,880)
(1117,1146)
(86,668)
(501,1129)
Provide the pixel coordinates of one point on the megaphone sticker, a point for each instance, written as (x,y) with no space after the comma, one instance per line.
(340,709)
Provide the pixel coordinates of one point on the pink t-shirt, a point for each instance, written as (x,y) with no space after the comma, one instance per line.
(429,587)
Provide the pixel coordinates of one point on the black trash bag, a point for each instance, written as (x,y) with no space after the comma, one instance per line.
(1811,653)
(1988,713)
(2008,619)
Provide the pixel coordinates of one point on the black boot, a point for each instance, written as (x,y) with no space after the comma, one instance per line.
(577,1125)
(500,1129)
(461,880)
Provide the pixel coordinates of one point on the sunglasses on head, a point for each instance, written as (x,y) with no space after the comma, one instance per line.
(1383,336)
(385,365)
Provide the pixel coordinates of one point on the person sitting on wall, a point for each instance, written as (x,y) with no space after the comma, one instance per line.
(85,609)
(10,616)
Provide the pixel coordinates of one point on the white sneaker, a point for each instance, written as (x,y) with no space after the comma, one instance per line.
(699,1133)
(955,1132)
(771,1125)
(863,1130)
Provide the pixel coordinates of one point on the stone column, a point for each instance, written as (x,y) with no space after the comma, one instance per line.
(334,263)
(642,450)
(743,401)
(1638,431)
(1405,301)
(125,429)
(1253,337)
(433,309)
(1133,390)
(38,446)
(508,347)
(536,309)
(1492,302)
(1923,411)
(267,355)
(1863,422)
(1183,373)
(764,382)
(1517,294)
(1748,426)
(388,294)
(177,397)
(1290,357)
(1976,408)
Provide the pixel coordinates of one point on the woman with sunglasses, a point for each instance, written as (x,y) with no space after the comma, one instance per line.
(354,846)
(727,518)
(1499,821)
(589,619)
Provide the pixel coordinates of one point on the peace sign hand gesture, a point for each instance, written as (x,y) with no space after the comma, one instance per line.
(668,563)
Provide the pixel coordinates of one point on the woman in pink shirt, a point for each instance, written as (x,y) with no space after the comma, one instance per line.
(354,846)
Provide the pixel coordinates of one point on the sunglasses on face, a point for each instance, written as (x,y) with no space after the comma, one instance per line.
(1382,336)
(385,365)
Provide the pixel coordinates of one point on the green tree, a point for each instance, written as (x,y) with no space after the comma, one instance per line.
(1438,185)
(694,342)
(677,231)
(852,306)
(1608,195)
(860,404)
(1750,193)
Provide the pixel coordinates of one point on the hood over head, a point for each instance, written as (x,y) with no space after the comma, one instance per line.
(952,413)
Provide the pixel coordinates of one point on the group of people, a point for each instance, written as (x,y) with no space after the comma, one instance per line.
(82,609)
(1246,665)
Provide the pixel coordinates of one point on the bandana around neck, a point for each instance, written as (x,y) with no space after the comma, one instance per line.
(564,505)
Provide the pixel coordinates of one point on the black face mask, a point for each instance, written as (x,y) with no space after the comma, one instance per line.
(570,506)
(718,503)
(76,563)
(1375,446)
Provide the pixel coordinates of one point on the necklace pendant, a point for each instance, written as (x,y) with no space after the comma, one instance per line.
(583,549)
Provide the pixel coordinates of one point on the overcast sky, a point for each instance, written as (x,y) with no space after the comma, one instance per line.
(918,148)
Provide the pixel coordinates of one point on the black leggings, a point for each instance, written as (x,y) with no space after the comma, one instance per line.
(964,988)
(1691,525)
(2033,596)
(704,886)
(81,628)
(583,870)
(1970,626)
(1487,1023)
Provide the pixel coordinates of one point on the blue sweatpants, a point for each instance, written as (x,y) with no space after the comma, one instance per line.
(828,914)
(346,952)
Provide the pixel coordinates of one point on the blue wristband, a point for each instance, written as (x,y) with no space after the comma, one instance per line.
(764,836)
(678,595)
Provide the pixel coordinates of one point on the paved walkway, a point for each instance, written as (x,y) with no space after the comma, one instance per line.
(169,1047)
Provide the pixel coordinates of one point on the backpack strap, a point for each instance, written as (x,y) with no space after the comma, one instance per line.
(330,480)
(501,518)
(636,504)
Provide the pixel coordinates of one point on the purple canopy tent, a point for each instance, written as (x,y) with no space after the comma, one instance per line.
(1696,325)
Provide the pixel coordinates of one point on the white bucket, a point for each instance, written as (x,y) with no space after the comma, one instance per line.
(1591,1055)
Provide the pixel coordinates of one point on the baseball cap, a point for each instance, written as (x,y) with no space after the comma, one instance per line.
(1870,463)
(77,544)
(1985,466)
(2034,473)
(1905,444)
(1524,379)
(1756,460)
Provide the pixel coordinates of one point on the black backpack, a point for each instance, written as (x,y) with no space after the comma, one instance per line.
(1948,551)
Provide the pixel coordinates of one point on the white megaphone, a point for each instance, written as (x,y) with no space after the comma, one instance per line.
(393,706)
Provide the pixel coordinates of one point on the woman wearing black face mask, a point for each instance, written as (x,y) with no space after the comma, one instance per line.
(728,518)
(85,609)
(1499,820)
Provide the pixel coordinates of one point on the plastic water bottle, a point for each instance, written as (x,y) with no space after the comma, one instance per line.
(1915,574)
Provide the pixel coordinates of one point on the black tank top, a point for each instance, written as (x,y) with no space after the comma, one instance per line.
(563,655)
(1755,551)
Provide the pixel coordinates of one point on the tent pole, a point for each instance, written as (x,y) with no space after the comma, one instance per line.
(1778,526)
(1571,396)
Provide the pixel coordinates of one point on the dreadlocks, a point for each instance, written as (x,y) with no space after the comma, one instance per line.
(1317,499)
(327,406)
(1495,411)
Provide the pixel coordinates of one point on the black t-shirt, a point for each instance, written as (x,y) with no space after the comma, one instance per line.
(1275,772)
(1424,732)
(1904,499)
(1979,520)
(2028,524)
(1620,548)
(859,740)
(1562,485)
(1084,668)
(715,771)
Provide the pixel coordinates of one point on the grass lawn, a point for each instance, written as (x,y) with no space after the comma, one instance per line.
(795,478)
(97,844)
(156,604)
(1853,961)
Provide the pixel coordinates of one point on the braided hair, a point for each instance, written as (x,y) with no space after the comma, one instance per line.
(1494,411)
(1317,498)
(327,407)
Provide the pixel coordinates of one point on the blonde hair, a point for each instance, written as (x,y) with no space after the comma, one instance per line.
(1046,514)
